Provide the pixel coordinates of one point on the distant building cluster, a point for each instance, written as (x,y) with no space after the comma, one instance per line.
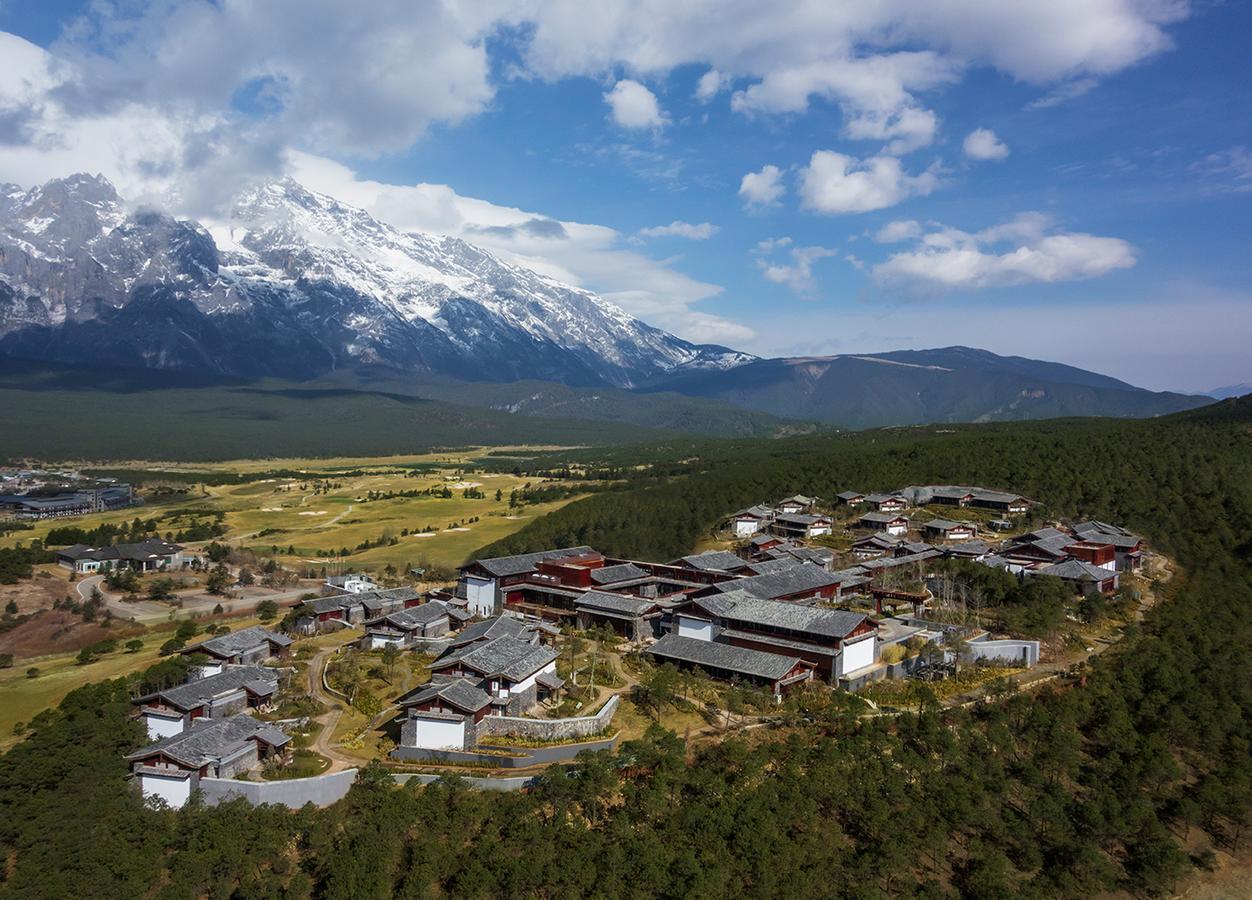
(42,494)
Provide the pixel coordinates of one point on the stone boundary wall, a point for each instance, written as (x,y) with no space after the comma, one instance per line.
(527,756)
(320,790)
(549,729)
(509,783)
(1008,651)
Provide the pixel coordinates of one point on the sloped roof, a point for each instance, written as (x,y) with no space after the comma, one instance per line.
(1075,570)
(813,620)
(501,566)
(713,561)
(621,604)
(503,657)
(741,660)
(209,740)
(849,495)
(187,696)
(791,580)
(489,629)
(237,642)
(621,572)
(416,616)
(881,517)
(460,692)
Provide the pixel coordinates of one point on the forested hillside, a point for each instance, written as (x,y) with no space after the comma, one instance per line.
(1090,785)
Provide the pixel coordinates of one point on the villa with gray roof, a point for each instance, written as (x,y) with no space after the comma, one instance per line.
(169,769)
(837,642)
(235,689)
(408,627)
(800,525)
(151,555)
(252,645)
(482,580)
(889,522)
(730,663)
(516,671)
(948,530)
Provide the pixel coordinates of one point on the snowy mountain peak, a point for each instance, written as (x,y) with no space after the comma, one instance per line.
(330,284)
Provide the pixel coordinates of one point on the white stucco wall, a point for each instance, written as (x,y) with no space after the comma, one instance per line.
(160,727)
(897,529)
(746,527)
(481,595)
(438,734)
(530,679)
(857,655)
(174,791)
(818,530)
(700,629)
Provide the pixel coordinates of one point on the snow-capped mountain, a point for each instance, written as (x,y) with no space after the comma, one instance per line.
(295,284)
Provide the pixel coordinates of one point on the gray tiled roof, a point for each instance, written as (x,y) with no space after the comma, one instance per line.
(1103,533)
(614,603)
(800,519)
(196,693)
(881,518)
(758,511)
(812,620)
(821,556)
(504,657)
(969,548)
(792,580)
(237,642)
(713,561)
(947,525)
(500,626)
(501,566)
(710,655)
(1075,570)
(776,564)
(879,498)
(459,692)
(209,740)
(620,572)
(416,616)
(849,495)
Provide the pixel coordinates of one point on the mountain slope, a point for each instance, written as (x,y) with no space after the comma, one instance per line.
(954,384)
(296,284)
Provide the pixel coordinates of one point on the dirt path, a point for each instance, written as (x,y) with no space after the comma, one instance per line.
(322,744)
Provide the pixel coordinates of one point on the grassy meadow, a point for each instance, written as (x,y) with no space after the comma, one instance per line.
(318,507)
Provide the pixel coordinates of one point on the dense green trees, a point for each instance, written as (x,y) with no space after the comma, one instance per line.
(1079,787)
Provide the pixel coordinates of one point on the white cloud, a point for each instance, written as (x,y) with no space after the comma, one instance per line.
(897,231)
(763,188)
(634,106)
(871,58)
(797,273)
(1024,250)
(678,228)
(907,129)
(833,183)
(982,144)
(711,84)
(1063,93)
(1228,170)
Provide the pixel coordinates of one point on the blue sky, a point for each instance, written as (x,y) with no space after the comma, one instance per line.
(1067,179)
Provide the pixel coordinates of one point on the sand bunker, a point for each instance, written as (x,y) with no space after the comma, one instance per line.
(320,512)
